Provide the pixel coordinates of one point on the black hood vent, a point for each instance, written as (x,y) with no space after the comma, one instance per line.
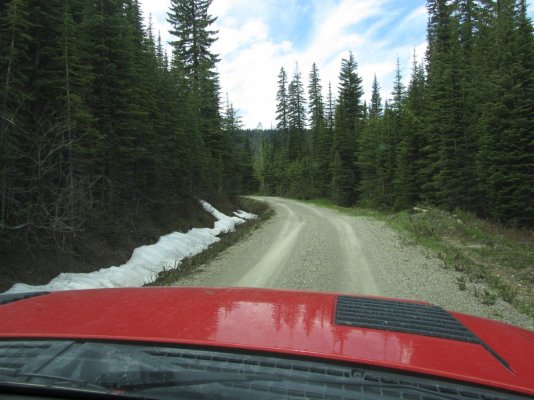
(418,319)
(397,316)
(10,298)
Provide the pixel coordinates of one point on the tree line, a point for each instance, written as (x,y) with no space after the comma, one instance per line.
(94,114)
(460,135)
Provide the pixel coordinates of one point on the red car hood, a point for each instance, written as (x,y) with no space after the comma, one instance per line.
(301,323)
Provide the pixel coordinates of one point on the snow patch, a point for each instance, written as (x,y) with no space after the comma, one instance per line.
(146,262)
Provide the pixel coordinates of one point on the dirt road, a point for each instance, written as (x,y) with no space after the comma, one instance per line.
(313,248)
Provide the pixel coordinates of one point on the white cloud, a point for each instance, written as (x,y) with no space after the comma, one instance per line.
(253,46)
(155,6)
(234,36)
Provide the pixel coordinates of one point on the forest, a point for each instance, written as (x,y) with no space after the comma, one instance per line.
(460,135)
(94,115)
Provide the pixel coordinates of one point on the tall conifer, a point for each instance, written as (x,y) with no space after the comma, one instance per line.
(348,123)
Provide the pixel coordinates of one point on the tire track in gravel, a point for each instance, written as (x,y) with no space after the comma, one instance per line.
(268,270)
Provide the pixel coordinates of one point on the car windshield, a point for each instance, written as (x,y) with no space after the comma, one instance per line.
(164,372)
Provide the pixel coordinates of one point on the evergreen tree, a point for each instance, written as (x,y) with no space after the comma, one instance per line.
(91,116)
(296,116)
(193,60)
(459,136)
(107,41)
(78,170)
(399,91)
(330,110)
(506,156)
(249,183)
(348,122)
(232,161)
(439,115)
(392,134)
(15,41)
(280,140)
(375,109)
(282,103)
(321,143)
(407,179)
(456,153)
(316,106)
(190,21)
(368,146)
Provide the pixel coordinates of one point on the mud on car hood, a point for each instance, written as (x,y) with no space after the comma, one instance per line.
(407,336)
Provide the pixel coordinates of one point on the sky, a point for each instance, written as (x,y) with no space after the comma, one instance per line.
(258,37)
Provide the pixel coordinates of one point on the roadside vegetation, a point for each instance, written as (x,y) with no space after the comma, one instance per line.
(457,135)
(94,116)
(189,265)
(493,261)
(106,142)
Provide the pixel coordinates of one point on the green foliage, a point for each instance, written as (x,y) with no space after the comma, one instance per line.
(15,41)
(460,135)
(507,128)
(296,103)
(282,102)
(494,261)
(348,122)
(409,158)
(92,115)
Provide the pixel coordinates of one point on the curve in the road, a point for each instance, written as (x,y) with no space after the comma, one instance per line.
(313,248)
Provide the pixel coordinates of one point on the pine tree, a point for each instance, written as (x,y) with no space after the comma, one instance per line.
(408,153)
(399,91)
(249,183)
(15,41)
(282,102)
(351,93)
(375,109)
(321,143)
(330,110)
(368,146)
(348,122)
(456,149)
(195,67)
(439,115)
(505,159)
(232,161)
(106,50)
(82,140)
(280,140)
(523,120)
(392,134)
(190,21)
(296,116)
(316,106)
(92,115)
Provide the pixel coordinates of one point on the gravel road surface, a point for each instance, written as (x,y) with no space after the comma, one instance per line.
(314,248)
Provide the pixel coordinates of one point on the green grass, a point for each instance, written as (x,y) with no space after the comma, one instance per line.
(189,266)
(494,261)
(354,211)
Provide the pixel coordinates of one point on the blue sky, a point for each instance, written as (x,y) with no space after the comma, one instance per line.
(258,37)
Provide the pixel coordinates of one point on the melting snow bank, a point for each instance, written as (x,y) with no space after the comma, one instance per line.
(146,261)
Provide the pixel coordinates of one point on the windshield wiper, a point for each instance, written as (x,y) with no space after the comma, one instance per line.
(77,383)
(155,379)
(143,380)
